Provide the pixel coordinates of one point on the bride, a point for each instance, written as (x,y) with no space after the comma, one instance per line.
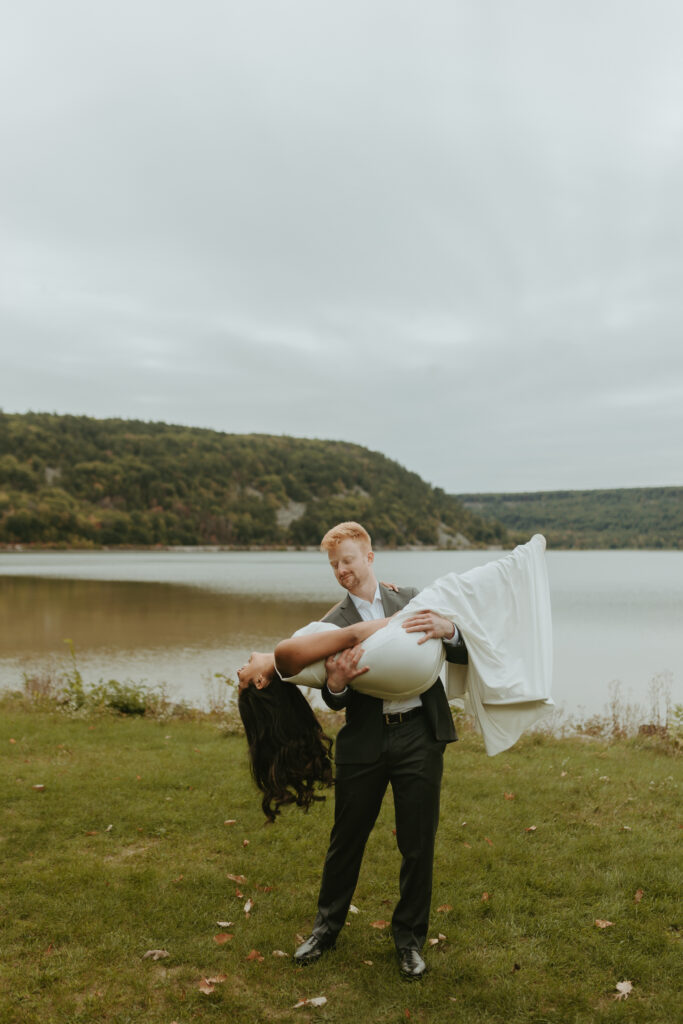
(502,610)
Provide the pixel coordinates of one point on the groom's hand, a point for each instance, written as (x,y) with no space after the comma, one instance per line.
(433,625)
(343,668)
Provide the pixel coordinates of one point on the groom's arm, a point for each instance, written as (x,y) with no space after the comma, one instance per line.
(438,627)
(341,670)
(456,650)
(336,701)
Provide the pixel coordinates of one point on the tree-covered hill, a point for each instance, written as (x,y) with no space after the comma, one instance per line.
(637,517)
(75,480)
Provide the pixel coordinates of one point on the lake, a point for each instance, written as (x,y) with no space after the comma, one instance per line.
(179,617)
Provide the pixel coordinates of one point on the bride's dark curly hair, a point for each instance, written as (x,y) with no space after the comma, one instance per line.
(288,750)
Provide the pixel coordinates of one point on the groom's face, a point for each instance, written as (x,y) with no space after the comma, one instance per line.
(351,563)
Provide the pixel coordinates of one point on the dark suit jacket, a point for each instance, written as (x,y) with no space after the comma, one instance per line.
(360,740)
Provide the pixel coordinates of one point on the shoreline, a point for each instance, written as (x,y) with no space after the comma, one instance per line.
(27,549)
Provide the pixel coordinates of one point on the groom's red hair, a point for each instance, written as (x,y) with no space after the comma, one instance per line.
(346,531)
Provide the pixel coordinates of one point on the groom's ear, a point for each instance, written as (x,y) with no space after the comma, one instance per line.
(371,557)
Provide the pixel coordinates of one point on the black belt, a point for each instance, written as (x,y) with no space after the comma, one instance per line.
(401,716)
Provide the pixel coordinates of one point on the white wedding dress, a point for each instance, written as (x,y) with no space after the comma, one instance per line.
(502,610)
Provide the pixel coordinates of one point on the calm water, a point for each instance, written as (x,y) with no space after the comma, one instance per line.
(179,617)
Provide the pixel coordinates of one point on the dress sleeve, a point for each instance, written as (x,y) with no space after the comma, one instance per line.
(313,675)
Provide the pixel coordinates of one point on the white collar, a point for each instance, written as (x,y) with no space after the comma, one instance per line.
(358,601)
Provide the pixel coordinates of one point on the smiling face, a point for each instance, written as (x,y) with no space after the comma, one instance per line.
(351,562)
(258,671)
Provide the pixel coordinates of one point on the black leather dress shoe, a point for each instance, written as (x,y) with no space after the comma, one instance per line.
(312,949)
(411,963)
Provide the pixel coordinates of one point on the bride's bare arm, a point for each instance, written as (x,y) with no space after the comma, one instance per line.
(294,654)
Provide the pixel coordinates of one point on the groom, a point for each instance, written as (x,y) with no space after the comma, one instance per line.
(397,743)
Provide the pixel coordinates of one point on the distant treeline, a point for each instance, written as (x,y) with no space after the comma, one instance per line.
(79,481)
(634,517)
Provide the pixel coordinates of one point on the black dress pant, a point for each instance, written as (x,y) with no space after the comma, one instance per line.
(411,761)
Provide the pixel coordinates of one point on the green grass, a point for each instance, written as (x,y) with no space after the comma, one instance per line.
(81,903)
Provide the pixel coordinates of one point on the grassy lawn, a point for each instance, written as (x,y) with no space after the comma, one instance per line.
(127,849)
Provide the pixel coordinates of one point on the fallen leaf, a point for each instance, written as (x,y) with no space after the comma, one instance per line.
(600,923)
(563,775)
(638,895)
(433,942)
(13,741)
(368,963)
(239,894)
(509,796)
(224,924)
(92,832)
(406,1013)
(487,840)
(316,1001)
(298,939)
(531,828)
(108,828)
(245,843)
(623,989)
(39,786)
(255,955)
(218,980)
(265,888)
(178,879)
(444,908)
(378,924)
(279,952)
(247,906)
(467,845)
(442,937)
(230,821)
(155,954)
(484,897)
(626,828)
(222,938)
(353,910)
(237,878)
(205,986)
(50,950)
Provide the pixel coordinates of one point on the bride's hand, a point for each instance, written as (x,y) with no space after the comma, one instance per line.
(390,586)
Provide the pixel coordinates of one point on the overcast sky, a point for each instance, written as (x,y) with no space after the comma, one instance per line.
(449,230)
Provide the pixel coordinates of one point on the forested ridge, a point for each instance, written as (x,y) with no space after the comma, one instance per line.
(85,482)
(633,517)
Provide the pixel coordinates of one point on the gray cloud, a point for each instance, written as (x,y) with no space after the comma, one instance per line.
(451,232)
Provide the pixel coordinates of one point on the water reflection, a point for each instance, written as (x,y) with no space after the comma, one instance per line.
(179,618)
(155,633)
(38,614)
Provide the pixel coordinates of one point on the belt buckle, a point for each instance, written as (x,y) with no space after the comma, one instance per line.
(397,717)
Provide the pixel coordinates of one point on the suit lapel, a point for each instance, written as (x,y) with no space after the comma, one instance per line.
(392,600)
(348,611)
